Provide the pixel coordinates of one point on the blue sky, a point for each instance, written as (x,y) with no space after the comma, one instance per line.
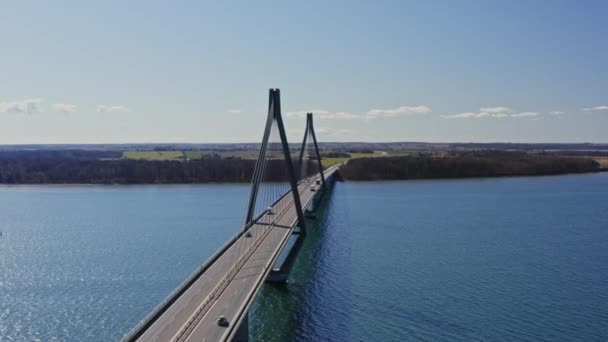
(450,71)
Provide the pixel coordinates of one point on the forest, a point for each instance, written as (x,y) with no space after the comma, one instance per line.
(101,167)
(465,164)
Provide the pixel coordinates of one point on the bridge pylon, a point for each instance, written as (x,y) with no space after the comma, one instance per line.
(274,116)
(310,130)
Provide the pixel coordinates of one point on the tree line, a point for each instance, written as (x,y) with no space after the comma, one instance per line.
(106,167)
(465,164)
(81,168)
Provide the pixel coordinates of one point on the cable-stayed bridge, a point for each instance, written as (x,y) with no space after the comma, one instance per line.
(212,304)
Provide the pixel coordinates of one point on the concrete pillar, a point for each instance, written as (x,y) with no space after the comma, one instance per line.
(281,274)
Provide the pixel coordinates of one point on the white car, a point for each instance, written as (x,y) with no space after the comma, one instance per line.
(269,211)
(312,188)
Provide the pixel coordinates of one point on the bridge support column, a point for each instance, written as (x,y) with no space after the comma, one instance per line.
(310,211)
(312,207)
(242,335)
(280,274)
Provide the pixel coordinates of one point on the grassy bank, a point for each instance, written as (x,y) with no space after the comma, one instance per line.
(329,161)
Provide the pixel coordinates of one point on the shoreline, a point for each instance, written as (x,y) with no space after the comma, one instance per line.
(48,168)
(8,185)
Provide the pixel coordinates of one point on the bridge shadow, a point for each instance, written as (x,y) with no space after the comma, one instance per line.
(274,225)
(284,312)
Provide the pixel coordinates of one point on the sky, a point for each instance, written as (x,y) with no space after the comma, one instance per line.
(197,71)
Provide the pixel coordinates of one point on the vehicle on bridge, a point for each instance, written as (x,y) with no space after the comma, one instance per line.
(223,322)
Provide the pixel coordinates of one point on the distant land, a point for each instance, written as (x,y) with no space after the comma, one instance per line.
(467,164)
(203,163)
(379,146)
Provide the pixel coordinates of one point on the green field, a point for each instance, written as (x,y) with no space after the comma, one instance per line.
(327,162)
(401,153)
(198,154)
(195,154)
(153,155)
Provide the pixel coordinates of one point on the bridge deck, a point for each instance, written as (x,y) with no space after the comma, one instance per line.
(193,315)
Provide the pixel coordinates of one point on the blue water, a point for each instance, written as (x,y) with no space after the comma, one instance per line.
(86,263)
(510,259)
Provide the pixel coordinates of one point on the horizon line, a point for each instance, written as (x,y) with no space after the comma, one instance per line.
(320,142)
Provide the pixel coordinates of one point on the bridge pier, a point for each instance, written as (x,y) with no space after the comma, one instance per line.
(309,212)
(280,274)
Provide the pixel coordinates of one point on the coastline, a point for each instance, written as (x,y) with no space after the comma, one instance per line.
(63,171)
(117,185)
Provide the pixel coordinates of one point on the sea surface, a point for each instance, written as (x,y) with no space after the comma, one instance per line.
(504,259)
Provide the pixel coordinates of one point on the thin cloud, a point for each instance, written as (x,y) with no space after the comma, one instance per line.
(234,111)
(64,108)
(323,114)
(557,113)
(112,109)
(596,108)
(27,106)
(467,115)
(491,112)
(399,111)
(333,131)
(477,115)
(495,110)
(524,115)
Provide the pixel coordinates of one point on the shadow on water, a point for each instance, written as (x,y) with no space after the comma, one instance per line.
(292,312)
